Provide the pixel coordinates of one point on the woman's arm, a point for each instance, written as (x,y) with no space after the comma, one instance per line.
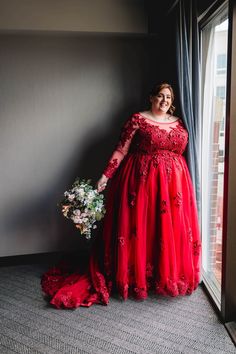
(127,132)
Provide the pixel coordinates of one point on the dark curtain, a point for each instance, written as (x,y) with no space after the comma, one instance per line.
(188,78)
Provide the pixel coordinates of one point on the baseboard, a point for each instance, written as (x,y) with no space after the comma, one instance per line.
(231,328)
(42,258)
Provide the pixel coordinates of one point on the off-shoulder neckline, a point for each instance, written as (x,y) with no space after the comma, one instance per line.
(152,120)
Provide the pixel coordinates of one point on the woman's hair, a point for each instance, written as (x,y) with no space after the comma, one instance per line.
(157,88)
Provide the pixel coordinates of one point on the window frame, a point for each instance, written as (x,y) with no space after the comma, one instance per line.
(227,310)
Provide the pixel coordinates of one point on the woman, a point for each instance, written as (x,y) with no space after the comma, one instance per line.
(150,237)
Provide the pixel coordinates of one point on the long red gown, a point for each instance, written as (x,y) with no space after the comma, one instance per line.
(150,238)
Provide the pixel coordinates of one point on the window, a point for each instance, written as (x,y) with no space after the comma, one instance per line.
(214,64)
(221,92)
(221,63)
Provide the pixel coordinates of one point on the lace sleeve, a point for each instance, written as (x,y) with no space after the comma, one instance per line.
(122,148)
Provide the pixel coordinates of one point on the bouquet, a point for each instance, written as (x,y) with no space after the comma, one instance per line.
(84,206)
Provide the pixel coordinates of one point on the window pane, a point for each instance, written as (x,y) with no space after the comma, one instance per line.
(221,61)
(221,92)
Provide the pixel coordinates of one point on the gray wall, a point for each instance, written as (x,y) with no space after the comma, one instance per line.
(123,16)
(62,102)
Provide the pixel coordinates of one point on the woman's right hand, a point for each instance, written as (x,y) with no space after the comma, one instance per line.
(102,183)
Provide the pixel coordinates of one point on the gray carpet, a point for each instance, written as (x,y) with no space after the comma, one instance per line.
(156,325)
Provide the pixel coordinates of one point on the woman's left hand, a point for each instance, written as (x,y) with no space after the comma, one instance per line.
(102,183)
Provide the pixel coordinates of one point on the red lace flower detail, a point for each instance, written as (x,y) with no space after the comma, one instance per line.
(111,167)
(178,199)
(182,285)
(143,170)
(168,158)
(101,288)
(128,129)
(121,241)
(149,270)
(174,288)
(140,293)
(196,248)
(163,208)
(122,147)
(190,234)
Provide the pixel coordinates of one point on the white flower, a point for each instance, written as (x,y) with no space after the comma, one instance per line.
(81,192)
(71,197)
(77,212)
(77,219)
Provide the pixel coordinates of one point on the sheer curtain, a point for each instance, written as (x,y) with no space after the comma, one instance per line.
(214,69)
(208,76)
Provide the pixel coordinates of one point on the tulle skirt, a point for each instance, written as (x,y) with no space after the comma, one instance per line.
(150,239)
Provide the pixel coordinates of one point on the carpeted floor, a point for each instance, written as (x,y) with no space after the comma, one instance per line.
(156,325)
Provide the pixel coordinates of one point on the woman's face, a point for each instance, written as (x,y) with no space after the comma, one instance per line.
(162,101)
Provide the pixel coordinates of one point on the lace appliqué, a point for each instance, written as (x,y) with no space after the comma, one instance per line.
(128,130)
(162,157)
(159,145)
(101,288)
(167,158)
(111,167)
(196,248)
(152,138)
(144,166)
(190,235)
(175,287)
(121,240)
(169,287)
(178,199)
(140,293)
(122,147)
(163,208)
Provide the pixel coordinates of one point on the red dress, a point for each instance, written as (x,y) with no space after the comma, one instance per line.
(150,238)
